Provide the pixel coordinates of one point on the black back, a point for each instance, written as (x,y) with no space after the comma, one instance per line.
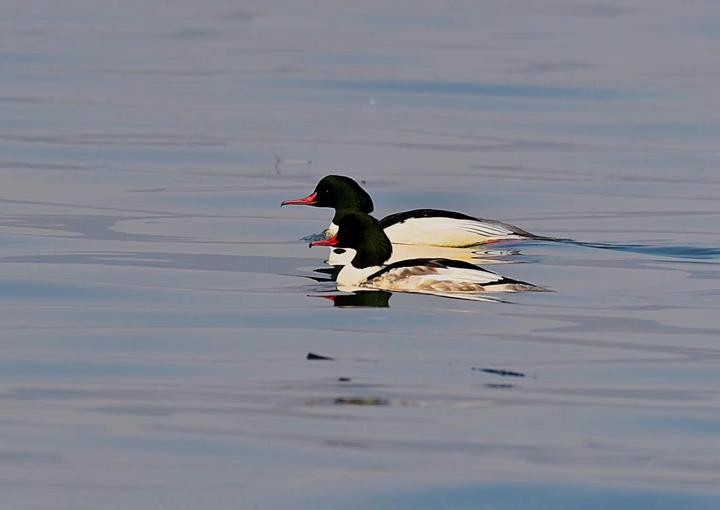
(422,213)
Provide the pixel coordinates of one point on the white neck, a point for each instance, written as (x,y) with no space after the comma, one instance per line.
(340,256)
(351,276)
(331,230)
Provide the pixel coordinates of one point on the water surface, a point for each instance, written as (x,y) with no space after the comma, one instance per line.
(158,306)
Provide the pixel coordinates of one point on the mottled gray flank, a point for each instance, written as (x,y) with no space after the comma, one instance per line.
(157,306)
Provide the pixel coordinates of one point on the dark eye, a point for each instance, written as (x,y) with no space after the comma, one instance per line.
(339,251)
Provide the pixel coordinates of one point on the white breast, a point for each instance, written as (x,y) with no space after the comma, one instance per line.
(331,230)
(451,232)
(340,256)
(351,278)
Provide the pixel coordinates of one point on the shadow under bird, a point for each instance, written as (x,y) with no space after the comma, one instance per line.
(428,227)
(363,248)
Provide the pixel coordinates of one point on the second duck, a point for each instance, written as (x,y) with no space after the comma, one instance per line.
(364,249)
(427,227)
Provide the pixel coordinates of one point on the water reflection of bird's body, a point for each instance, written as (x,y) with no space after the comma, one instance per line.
(427,227)
(364,251)
(402,252)
(360,299)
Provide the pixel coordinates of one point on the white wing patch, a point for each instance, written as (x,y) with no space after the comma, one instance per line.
(487,229)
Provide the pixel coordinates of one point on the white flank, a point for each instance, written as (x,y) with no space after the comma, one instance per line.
(431,279)
(451,232)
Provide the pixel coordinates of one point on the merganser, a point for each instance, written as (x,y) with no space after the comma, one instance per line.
(429,227)
(363,247)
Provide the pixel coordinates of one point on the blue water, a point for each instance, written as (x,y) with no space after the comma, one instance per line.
(510,90)
(157,305)
(518,497)
(683,252)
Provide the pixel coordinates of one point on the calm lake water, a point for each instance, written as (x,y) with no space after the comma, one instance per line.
(158,305)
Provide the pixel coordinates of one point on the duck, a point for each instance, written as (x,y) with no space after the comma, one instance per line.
(427,227)
(362,247)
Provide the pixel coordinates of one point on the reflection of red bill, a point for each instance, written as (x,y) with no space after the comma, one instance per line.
(311,199)
(332,298)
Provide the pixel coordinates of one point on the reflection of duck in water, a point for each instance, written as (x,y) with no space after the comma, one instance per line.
(410,251)
(429,227)
(338,258)
(360,299)
(367,248)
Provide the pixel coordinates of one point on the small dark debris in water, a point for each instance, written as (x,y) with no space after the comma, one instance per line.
(312,355)
(504,373)
(363,182)
(359,401)
(344,379)
(499,386)
(282,161)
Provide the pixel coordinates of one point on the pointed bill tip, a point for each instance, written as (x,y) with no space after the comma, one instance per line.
(311,199)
